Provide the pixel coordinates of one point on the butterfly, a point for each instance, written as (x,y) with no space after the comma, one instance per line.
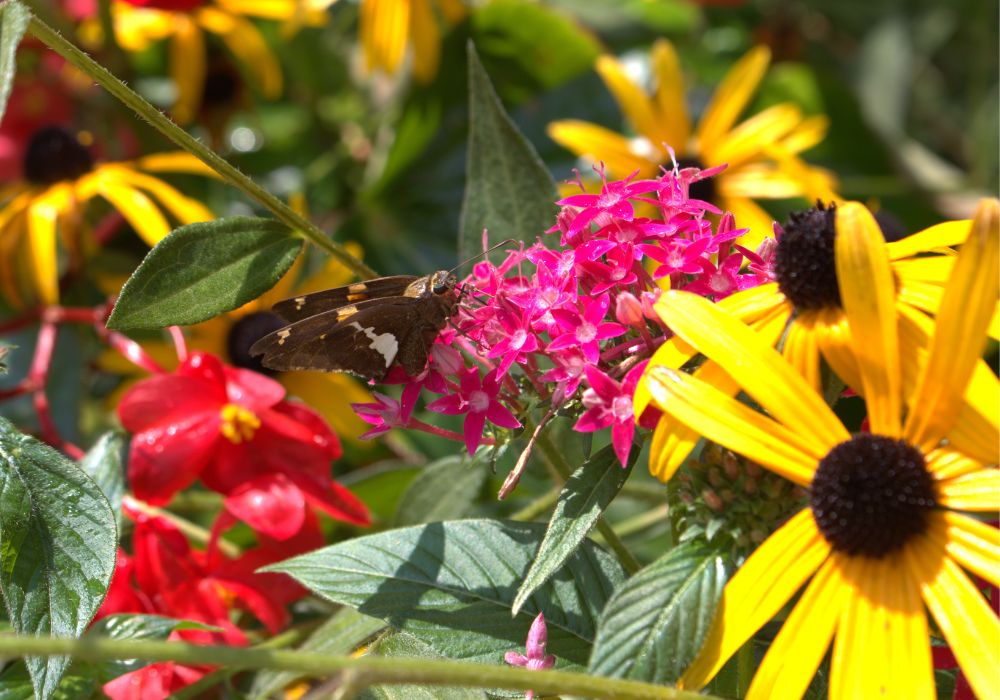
(365,328)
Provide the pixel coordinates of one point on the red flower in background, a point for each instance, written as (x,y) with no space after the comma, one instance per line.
(233,429)
(165,576)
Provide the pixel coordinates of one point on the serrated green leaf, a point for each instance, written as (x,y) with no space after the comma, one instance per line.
(104,464)
(582,500)
(451,585)
(444,490)
(655,623)
(508,189)
(400,644)
(15,684)
(57,546)
(201,270)
(342,633)
(14,18)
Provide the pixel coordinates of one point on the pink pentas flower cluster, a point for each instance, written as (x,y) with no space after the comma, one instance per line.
(574,322)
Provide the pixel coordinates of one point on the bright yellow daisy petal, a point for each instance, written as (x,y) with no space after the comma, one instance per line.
(810,131)
(384,29)
(184,209)
(726,421)
(247,44)
(761,180)
(173,162)
(137,208)
(43,218)
(761,371)
(631,99)
(978,491)
(732,96)
(947,463)
(136,29)
(960,332)
(935,269)
(801,349)
(309,11)
(868,294)
(747,140)
(426,38)
(795,654)
(760,588)
(972,543)
(970,627)
(187,67)
(671,107)
(601,145)
(939,236)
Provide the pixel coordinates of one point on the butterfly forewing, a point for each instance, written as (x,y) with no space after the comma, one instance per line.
(306,305)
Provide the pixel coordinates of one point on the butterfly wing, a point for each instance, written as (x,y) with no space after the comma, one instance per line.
(306,305)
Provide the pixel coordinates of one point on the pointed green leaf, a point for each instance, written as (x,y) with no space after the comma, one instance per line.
(57,546)
(342,633)
(400,644)
(201,270)
(444,490)
(14,18)
(15,684)
(508,189)
(654,625)
(451,585)
(104,464)
(584,497)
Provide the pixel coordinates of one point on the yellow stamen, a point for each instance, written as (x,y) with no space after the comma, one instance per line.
(238,424)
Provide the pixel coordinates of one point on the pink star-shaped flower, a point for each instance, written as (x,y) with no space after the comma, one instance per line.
(477,399)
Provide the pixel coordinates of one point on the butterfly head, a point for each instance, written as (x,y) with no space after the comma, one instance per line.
(442,282)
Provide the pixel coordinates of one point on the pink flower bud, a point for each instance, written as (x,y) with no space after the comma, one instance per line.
(628,310)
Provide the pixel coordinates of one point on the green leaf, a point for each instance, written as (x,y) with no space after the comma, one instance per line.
(400,644)
(586,494)
(14,18)
(342,633)
(201,270)
(57,546)
(155,627)
(451,585)
(104,464)
(654,625)
(444,490)
(508,189)
(15,684)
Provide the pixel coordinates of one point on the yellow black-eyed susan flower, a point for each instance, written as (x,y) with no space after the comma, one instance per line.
(804,310)
(762,152)
(60,178)
(388,27)
(885,534)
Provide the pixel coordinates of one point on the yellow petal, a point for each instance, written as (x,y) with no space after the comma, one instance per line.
(748,140)
(973,544)
(968,303)
(310,11)
(185,209)
(674,353)
(760,588)
(671,105)
(810,131)
(136,29)
(962,614)
(247,44)
(454,11)
(426,39)
(934,268)
(867,291)
(137,208)
(331,395)
(943,235)
(187,68)
(749,215)
(384,25)
(947,463)
(732,96)
(882,647)
(814,183)
(751,304)
(759,369)
(601,145)
(757,181)
(173,162)
(633,101)
(726,421)
(978,491)
(795,654)
(801,349)
(43,216)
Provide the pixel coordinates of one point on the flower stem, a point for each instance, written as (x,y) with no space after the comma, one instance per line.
(189,143)
(367,670)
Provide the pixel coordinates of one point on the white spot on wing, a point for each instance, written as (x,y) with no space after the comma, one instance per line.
(384,343)
(282,334)
(299,303)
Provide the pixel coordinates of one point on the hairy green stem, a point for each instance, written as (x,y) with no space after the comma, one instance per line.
(368,670)
(555,457)
(189,143)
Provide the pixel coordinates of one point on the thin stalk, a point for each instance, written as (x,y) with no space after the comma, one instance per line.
(224,168)
(369,670)
(640,522)
(538,506)
(559,463)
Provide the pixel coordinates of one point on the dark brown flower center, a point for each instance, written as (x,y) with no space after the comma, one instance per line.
(871,495)
(247,331)
(804,264)
(53,155)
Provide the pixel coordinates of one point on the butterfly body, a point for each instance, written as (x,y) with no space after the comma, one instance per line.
(364,328)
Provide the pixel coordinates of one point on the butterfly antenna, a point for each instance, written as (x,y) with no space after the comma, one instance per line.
(486,252)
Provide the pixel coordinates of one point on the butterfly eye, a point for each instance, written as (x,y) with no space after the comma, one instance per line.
(440,287)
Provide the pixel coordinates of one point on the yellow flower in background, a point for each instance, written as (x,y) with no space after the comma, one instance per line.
(185,22)
(389,26)
(804,309)
(230,335)
(885,533)
(762,152)
(61,177)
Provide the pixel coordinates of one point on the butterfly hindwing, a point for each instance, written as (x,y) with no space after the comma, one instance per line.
(306,305)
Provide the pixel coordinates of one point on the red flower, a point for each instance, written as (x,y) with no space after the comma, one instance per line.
(233,429)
